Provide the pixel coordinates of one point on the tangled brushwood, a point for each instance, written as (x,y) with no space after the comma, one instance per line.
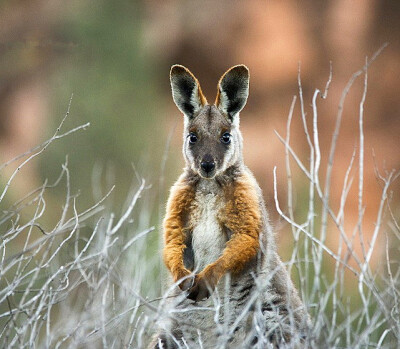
(92,280)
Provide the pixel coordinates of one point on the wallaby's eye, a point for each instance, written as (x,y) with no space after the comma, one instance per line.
(192,138)
(226,138)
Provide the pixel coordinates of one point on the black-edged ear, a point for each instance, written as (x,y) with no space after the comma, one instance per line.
(233,90)
(186,91)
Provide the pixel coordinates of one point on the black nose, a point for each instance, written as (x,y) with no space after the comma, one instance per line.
(207,166)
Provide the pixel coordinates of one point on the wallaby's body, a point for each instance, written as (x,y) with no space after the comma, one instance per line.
(230,287)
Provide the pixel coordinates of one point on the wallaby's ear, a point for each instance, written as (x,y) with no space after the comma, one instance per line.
(186,91)
(233,90)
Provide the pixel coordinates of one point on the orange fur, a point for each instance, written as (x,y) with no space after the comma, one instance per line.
(181,197)
(202,98)
(242,216)
(218,98)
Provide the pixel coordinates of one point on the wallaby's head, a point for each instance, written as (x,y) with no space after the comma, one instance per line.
(212,140)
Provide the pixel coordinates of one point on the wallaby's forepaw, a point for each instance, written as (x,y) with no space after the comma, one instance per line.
(184,279)
(187,283)
(200,290)
(205,283)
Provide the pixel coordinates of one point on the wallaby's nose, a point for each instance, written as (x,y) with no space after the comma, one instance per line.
(208,166)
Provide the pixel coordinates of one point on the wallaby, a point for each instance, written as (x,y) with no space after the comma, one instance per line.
(229,287)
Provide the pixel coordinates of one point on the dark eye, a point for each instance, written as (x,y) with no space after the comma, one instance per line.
(226,138)
(192,138)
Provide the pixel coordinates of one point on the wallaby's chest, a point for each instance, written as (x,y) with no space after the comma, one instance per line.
(208,236)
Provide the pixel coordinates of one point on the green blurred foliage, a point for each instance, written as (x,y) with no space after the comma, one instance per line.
(114,88)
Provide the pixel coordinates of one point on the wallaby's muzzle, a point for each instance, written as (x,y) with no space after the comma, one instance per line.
(207,166)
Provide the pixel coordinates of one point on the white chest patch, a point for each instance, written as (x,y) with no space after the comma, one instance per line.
(208,239)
